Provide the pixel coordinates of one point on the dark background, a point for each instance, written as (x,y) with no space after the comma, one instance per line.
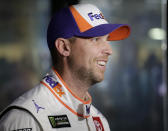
(133,95)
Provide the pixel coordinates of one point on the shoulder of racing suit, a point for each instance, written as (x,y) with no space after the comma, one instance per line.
(18,119)
(50,102)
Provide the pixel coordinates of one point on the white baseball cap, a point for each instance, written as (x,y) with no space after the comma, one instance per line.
(83,20)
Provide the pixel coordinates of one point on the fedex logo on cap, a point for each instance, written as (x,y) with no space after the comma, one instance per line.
(96,16)
(87,16)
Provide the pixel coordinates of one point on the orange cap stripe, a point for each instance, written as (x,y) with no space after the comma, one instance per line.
(81,22)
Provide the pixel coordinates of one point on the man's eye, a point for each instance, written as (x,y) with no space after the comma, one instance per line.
(94,39)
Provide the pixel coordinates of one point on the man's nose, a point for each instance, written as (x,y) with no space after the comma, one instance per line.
(107,48)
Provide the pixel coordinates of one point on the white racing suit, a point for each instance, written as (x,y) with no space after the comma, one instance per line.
(52,106)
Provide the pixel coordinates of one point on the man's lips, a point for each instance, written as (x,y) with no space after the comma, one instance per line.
(101,62)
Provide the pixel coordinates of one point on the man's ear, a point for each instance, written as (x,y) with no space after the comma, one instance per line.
(63,46)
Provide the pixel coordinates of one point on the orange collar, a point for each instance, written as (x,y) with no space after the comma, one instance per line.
(65,96)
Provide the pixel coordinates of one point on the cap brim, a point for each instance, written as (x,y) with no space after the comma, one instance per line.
(115,31)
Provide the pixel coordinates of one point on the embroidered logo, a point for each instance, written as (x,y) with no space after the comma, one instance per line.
(88,109)
(95,16)
(98,124)
(59,121)
(23,129)
(55,85)
(37,106)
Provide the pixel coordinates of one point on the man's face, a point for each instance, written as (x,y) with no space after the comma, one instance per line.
(88,58)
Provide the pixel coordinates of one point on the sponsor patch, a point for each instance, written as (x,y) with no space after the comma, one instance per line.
(37,106)
(98,124)
(95,16)
(59,121)
(54,84)
(23,129)
(86,109)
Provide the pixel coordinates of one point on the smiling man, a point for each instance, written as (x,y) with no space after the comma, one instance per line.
(78,38)
(85,62)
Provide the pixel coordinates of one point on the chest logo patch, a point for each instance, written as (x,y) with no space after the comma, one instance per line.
(98,124)
(37,106)
(59,121)
(55,85)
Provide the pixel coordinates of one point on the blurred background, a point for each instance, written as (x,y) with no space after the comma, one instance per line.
(133,96)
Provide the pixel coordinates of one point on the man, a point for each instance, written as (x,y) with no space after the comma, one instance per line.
(78,38)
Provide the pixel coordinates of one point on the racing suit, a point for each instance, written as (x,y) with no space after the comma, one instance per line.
(52,106)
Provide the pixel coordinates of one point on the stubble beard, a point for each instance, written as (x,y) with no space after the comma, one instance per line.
(87,76)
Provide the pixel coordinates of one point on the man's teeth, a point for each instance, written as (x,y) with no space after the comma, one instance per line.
(102,63)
